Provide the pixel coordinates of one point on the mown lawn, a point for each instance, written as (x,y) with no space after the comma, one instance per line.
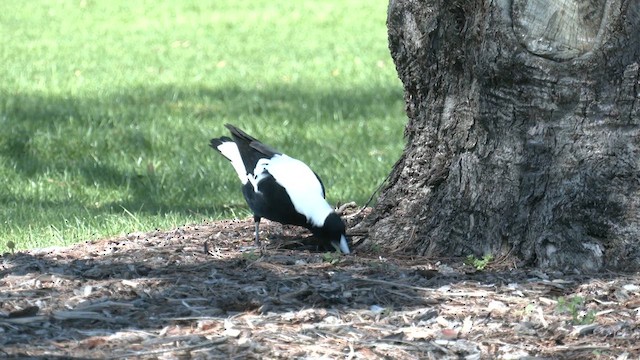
(106,108)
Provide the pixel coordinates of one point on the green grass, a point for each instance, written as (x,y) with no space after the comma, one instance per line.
(106,108)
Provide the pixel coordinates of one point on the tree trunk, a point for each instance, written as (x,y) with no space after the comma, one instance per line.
(523,135)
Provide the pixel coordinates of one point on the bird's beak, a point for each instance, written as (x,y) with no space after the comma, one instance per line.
(344,246)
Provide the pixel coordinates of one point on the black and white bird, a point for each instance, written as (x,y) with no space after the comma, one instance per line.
(282,189)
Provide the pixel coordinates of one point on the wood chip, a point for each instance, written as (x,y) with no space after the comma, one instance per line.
(157,295)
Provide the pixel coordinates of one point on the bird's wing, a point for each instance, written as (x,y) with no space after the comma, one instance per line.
(251,150)
(264,149)
(302,185)
(324,195)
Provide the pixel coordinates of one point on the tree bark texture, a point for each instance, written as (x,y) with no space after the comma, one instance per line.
(523,133)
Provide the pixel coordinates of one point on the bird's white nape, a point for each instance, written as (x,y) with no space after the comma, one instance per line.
(229,149)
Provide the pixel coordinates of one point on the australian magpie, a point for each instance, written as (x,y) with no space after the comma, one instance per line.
(281,188)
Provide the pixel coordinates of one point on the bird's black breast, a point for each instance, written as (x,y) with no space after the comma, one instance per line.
(272,202)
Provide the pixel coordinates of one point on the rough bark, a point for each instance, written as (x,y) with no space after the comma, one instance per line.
(523,132)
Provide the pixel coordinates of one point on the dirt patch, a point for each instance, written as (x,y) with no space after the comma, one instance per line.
(199,292)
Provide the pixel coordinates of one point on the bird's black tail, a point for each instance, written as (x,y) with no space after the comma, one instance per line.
(251,149)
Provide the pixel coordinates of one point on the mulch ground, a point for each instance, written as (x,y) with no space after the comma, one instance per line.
(201,292)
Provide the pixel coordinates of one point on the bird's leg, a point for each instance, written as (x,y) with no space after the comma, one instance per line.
(256,220)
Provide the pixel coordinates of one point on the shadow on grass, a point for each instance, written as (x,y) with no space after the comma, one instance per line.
(110,142)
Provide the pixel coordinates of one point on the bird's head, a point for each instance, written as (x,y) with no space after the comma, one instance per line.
(333,231)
